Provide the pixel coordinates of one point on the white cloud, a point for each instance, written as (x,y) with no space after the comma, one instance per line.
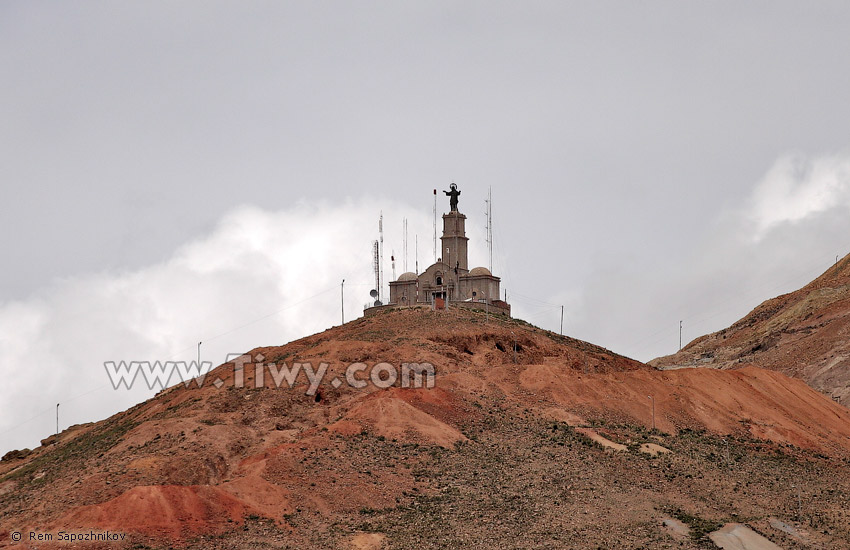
(794,224)
(797,187)
(253,264)
(226,287)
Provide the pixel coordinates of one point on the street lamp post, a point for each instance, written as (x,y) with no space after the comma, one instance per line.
(562,321)
(680,335)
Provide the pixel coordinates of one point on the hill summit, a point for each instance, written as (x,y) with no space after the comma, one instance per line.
(524,435)
(802,334)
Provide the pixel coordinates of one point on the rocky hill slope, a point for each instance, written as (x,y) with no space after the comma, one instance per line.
(527,440)
(804,334)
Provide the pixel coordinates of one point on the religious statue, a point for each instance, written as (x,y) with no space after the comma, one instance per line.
(454,193)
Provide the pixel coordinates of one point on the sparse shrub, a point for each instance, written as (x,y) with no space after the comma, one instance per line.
(700,527)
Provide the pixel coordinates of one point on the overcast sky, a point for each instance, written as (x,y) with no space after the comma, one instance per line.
(178,172)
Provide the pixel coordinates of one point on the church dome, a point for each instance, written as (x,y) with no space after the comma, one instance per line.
(480,271)
(409,276)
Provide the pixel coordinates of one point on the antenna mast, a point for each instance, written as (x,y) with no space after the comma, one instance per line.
(488,217)
(392,259)
(405,245)
(381,253)
(376,262)
(435,226)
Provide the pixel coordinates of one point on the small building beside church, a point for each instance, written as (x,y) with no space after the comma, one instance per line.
(449,282)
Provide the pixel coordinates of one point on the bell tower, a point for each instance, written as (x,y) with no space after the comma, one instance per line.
(454,241)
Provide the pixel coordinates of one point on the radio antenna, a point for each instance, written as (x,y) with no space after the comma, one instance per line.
(435,226)
(488,217)
(381,254)
(376,263)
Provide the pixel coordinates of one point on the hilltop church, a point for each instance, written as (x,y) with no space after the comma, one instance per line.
(449,282)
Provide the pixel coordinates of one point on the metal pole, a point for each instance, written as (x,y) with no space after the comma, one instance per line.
(490,223)
(562,320)
(680,335)
(199,354)
(342,299)
(57,418)
(381,254)
(435,226)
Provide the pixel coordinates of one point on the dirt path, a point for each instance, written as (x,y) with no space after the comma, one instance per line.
(734,536)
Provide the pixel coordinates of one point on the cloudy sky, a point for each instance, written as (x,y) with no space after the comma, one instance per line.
(202,171)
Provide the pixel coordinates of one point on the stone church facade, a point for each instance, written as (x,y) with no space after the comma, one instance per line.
(449,282)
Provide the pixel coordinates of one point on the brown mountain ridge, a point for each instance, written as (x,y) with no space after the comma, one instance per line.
(804,334)
(527,440)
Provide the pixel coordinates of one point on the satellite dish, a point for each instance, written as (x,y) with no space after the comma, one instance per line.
(378,303)
(373,293)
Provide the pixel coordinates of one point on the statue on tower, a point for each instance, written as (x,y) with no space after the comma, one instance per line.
(453,194)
